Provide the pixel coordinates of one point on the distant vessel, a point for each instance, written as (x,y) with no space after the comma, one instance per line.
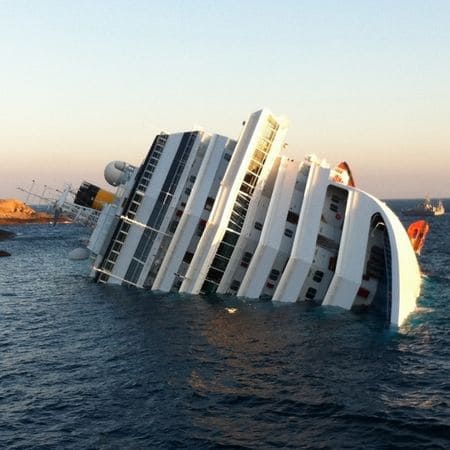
(207,214)
(426,208)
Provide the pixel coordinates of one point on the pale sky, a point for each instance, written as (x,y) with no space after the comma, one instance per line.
(86,82)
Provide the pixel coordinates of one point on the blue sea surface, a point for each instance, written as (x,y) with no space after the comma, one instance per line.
(90,366)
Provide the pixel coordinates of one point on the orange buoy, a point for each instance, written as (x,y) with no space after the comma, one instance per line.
(417,233)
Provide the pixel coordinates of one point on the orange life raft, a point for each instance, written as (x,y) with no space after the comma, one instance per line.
(417,233)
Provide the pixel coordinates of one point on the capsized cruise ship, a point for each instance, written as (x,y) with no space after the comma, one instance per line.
(208,214)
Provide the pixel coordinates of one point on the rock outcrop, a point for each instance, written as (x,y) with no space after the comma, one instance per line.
(14,206)
(3,236)
(13,211)
(6,235)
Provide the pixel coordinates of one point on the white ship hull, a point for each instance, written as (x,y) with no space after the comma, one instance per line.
(206,214)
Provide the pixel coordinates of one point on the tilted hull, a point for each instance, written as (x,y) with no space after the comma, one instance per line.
(206,214)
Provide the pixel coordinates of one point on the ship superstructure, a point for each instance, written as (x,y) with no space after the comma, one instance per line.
(207,214)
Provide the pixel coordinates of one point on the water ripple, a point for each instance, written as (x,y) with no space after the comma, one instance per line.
(89,366)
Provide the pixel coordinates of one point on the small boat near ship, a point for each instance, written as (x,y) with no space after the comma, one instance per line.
(426,208)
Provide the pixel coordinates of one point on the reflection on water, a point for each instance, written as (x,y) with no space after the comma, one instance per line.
(91,366)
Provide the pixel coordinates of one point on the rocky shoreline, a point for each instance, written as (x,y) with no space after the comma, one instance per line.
(39,218)
(16,212)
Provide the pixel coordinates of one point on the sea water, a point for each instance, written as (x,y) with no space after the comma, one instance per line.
(84,365)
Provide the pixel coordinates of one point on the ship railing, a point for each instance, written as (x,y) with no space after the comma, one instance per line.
(79,214)
(143,225)
(111,275)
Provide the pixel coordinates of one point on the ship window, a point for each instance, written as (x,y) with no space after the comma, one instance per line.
(255,167)
(318,275)
(113,256)
(215,275)
(269,134)
(201,227)
(133,207)
(310,293)
(274,275)
(246,188)
(335,199)
(121,236)
(187,191)
(103,277)
(179,212)
(334,207)
(225,250)
(134,271)
(209,203)
(246,259)
(288,233)
(258,225)
(192,178)
(270,285)
(108,266)
(117,247)
(230,238)
(220,263)
(187,258)
(234,286)
(250,178)
(209,287)
(259,156)
(173,226)
(292,217)
(226,156)
(332,263)
(125,227)
(263,145)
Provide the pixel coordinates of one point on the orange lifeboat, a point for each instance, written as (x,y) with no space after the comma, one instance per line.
(343,174)
(417,233)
